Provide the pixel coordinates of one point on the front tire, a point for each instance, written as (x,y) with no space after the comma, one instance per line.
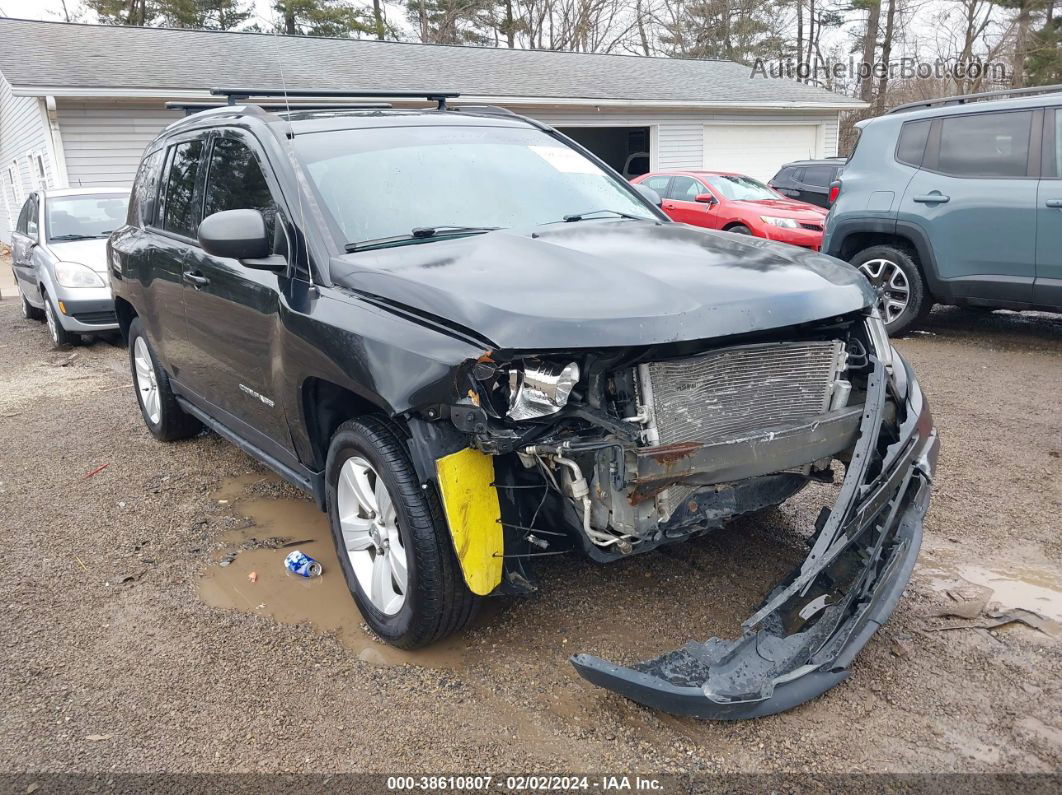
(903,299)
(29,311)
(61,338)
(166,420)
(739,229)
(391,538)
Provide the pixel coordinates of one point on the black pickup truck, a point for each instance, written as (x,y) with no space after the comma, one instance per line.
(473,343)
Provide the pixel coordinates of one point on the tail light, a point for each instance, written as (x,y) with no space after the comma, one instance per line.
(835,191)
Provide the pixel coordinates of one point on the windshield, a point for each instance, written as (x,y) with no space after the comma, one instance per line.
(738,188)
(385,183)
(84,216)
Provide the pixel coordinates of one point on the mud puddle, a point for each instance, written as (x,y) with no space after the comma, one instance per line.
(1012,586)
(276,527)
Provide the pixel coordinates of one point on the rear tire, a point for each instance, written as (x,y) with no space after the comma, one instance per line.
(166,420)
(61,338)
(904,299)
(393,529)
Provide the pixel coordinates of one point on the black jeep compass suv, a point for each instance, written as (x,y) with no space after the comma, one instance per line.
(474,343)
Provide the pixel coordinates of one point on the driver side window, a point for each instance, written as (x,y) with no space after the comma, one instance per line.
(27,219)
(235,182)
(685,189)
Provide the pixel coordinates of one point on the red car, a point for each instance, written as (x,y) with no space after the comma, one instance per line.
(736,203)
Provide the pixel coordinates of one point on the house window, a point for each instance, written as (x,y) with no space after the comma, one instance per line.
(39,170)
(13,186)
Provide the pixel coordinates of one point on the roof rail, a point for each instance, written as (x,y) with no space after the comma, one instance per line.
(238,95)
(487,110)
(962,99)
(195,107)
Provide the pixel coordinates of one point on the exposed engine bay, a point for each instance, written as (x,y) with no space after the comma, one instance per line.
(616,452)
(636,448)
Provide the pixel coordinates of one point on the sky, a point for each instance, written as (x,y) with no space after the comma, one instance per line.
(53,9)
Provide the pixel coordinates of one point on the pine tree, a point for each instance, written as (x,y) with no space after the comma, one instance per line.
(322,18)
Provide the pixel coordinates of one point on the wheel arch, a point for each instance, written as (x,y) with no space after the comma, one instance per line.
(325,406)
(852,237)
(125,313)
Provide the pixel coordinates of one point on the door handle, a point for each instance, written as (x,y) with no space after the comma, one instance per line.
(1054,203)
(932,198)
(195,279)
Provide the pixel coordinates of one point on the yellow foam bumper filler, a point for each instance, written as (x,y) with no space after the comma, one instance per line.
(474,514)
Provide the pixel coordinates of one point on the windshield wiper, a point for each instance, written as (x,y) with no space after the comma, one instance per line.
(73,236)
(621,214)
(419,234)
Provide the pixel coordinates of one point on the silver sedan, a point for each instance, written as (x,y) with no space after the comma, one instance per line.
(59,255)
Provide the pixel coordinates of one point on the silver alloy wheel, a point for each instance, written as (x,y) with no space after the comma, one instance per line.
(894,291)
(146,383)
(369,525)
(49,317)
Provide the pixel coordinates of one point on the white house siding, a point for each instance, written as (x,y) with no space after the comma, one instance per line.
(678,138)
(103,141)
(23,136)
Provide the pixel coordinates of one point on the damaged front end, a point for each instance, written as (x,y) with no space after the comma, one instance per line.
(616,452)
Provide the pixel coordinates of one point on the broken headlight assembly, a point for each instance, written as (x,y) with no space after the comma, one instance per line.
(538,389)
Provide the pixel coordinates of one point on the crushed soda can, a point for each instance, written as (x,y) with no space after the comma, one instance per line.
(299,563)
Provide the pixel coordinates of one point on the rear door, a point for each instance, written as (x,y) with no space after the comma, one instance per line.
(1048,287)
(974,198)
(232,310)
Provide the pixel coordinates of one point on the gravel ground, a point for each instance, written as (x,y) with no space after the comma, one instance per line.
(114,663)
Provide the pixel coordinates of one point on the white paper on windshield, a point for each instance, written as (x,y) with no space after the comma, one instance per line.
(566,160)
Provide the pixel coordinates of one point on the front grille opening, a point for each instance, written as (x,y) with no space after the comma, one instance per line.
(749,388)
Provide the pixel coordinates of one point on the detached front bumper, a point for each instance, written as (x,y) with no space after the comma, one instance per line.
(802,639)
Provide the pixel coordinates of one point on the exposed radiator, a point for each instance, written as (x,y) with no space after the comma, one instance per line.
(748,388)
(736,390)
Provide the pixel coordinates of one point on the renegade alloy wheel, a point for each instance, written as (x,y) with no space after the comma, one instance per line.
(369,525)
(392,541)
(894,289)
(902,296)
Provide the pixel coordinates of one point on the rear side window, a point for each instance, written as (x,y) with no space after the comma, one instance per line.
(235,182)
(985,145)
(912,144)
(819,175)
(145,190)
(659,184)
(178,212)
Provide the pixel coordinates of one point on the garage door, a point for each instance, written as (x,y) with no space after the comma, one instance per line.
(757,149)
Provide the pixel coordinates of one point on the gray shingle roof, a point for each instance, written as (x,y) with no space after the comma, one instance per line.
(103,57)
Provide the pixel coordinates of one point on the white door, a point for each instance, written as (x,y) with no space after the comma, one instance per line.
(758,150)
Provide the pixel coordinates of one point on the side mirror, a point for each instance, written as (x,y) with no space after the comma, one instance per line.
(239,234)
(648,194)
(706,198)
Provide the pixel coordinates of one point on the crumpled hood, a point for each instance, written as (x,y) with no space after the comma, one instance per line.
(92,253)
(606,283)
